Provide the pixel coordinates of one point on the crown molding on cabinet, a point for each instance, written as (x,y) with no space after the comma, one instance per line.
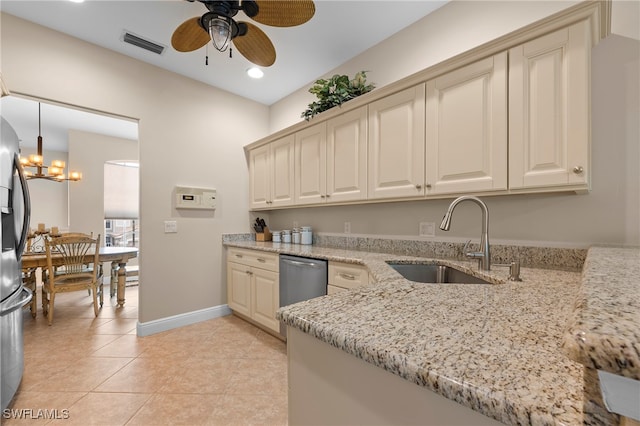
(597,12)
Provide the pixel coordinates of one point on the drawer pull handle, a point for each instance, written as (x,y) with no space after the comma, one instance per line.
(239,256)
(347,276)
(261,260)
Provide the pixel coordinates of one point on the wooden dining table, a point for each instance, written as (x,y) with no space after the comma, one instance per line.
(118,256)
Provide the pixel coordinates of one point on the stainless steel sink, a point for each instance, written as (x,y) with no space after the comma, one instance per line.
(434,273)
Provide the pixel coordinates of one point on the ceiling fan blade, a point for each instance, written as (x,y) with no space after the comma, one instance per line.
(255,46)
(189,36)
(287,13)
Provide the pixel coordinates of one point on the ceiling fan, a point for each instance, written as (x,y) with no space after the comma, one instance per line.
(219,26)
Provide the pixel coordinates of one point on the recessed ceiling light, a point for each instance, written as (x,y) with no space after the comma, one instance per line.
(255,72)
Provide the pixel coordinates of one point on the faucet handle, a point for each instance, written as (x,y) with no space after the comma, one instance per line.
(514,270)
(466,247)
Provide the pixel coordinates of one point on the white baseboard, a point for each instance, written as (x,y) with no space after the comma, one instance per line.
(169,323)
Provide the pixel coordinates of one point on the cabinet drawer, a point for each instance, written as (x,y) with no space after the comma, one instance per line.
(347,275)
(256,258)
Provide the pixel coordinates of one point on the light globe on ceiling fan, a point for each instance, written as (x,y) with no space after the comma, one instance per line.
(219,26)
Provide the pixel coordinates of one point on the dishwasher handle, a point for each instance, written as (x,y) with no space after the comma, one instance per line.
(302,264)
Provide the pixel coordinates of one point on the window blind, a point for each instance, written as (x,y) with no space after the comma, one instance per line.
(121,190)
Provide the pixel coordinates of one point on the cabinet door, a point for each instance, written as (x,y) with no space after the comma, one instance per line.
(347,156)
(467,128)
(265,292)
(549,129)
(311,165)
(260,177)
(282,166)
(239,288)
(396,145)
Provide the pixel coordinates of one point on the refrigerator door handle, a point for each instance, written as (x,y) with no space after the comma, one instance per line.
(20,303)
(27,208)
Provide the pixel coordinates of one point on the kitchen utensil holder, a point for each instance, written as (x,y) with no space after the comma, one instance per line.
(265,235)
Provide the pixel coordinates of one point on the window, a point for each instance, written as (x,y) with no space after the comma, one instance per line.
(121,192)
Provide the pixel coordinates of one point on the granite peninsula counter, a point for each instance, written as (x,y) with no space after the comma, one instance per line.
(495,348)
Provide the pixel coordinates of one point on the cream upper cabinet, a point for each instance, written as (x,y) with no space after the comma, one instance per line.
(271,174)
(260,177)
(397,145)
(331,160)
(347,156)
(311,165)
(466,129)
(549,110)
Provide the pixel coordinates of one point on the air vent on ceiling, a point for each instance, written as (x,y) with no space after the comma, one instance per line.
(142,43)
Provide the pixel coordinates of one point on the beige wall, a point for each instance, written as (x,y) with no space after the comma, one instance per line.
(610,213)
(189,134)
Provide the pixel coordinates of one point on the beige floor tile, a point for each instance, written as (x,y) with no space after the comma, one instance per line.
(102,409)
(126,346)
(251,410)
(177,409)
(97,371)
(38,408)
(82,374)
(145,375)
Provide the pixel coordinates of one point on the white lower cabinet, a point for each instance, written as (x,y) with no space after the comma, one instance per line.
(253,286)
(345,276)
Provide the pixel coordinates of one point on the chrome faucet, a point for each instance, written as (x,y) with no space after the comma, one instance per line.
(484,255)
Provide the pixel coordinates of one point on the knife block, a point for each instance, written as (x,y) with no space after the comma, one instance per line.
(265,235)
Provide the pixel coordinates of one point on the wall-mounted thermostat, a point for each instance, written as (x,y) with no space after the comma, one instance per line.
(195,198)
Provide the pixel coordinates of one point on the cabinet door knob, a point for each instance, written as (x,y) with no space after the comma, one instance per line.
(322,195)
(578,169)
(418,187)
(428,186)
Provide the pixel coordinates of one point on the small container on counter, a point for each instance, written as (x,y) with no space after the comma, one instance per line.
(286,236)
(306,236)
(276,236)
(295,236)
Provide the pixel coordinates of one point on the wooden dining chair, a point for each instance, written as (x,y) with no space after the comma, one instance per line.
(79,269)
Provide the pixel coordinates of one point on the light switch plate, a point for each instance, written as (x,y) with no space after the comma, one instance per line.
(170,226)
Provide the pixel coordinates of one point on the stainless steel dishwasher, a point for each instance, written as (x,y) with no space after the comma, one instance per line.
(301,278)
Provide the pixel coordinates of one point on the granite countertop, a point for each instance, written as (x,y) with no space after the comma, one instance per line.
(514,351)
(604,331)
(495,348)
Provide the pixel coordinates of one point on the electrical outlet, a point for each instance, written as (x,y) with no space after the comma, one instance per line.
(347,227)
(170,226)
(427,229)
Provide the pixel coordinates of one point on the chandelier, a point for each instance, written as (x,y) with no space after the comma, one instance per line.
(54,172)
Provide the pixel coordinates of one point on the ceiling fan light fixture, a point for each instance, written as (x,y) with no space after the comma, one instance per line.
(255,72)
(220,32)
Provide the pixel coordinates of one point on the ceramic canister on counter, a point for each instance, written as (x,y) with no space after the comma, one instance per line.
(286,236)
(275,236)
(306,236)
(295,236)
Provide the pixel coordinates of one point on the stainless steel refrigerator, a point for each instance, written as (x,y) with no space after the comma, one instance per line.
(15,207)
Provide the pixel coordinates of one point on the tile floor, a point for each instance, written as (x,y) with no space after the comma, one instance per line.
(84,370)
